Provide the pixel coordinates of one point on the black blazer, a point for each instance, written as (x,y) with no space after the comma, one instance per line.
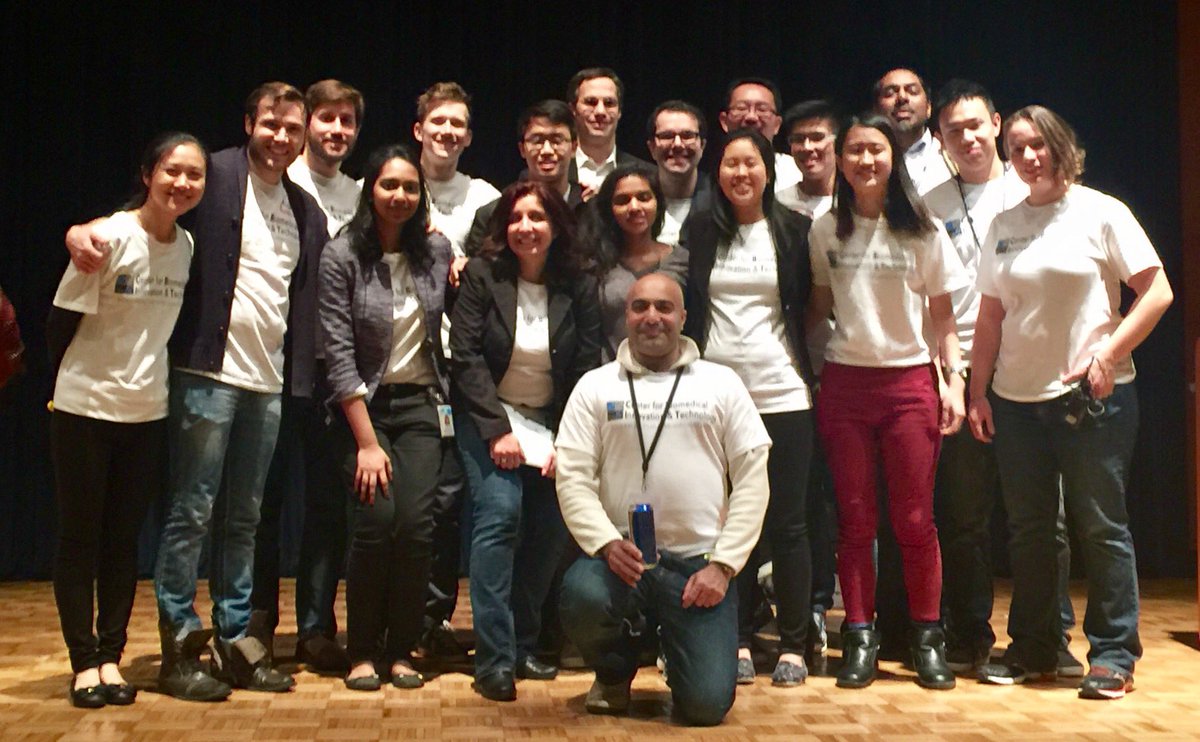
(216,224)
(789,232)
(482,329)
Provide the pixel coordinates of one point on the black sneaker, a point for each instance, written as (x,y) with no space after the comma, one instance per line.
(1006,672)
(1105,684)
(966,659)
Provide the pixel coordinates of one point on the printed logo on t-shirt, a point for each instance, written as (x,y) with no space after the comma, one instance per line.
(879,262)
(1012,244)
(690,411)
(148,287)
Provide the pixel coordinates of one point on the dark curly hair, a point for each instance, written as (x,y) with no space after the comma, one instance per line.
(414,235)
(601,236)
(564,261)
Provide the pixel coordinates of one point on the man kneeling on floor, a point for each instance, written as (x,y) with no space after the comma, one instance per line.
(659,426)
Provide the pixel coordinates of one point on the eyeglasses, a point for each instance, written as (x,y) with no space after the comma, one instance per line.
(557,141)
(800,137)
(742,108)
(666,137)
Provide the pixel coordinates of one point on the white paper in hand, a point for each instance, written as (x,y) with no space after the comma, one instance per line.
(537,442)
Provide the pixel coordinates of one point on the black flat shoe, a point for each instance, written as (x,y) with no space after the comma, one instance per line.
(496,687)
(119,694)
(365,683)
(91,697)
(530,669)
(407,681)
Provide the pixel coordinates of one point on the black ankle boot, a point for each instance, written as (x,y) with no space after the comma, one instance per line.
(182,674)
(929,659)
(860,658)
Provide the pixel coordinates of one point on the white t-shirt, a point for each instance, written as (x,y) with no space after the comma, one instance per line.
(453,203)
(258,319)
(925,164)
(881,281)
(800,202)
(337,196)
(116,365)
(985,201)
(677,213)
(746,331)
(787,172)
(1057,270)
(408,362)
(527,382)
(590,172)
(711,421)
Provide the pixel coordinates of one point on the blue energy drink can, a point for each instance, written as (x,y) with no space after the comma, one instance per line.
(641,532)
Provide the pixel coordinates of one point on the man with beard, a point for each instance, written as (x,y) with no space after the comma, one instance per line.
(248,286)
(596,95)
(901,96)
(334,120)
(676,133)
(707,485)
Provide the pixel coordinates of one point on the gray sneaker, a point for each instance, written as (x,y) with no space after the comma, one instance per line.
(603,698)
(1068,666)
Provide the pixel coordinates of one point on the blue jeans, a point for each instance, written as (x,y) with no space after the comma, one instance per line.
(517,538)
(1034,446)
(221,441)
(600,614)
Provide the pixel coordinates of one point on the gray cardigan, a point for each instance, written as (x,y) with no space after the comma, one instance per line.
(355,309)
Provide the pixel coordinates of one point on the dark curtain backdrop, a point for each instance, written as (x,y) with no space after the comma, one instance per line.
(87,86)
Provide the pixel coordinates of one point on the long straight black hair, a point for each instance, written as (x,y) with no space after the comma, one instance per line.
(727,225)
(904,211)
(414,235)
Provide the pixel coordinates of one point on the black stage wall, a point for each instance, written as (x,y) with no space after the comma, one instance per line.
(87,86)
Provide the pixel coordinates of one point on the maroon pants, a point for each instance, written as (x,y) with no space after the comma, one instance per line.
(874,420)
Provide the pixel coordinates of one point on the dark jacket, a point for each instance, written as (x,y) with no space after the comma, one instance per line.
(216,224)
(482,331)
(356,300)
(789,232)
(483,215)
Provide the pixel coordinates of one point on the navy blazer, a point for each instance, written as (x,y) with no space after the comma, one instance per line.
(216,224)
(789,232)
(482,330)
(356,301)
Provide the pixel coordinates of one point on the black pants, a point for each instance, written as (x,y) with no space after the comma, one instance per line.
(388,569)
(302,464)
(822,530)
(107,474)
(442,595)
(785,533)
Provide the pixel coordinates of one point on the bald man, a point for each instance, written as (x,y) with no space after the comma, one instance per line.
(660,426)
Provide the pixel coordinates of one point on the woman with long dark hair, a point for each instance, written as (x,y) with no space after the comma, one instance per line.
(382,293)
(526,326)
(748,280)
(108,336)
(886,271)
(626,218)
(1062,404)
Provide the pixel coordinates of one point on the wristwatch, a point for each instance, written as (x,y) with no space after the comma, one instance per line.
(960,370)
(725,569)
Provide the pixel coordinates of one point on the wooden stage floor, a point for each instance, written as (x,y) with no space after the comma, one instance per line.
(34,674)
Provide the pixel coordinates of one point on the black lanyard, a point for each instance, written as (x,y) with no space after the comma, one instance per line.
(637,421)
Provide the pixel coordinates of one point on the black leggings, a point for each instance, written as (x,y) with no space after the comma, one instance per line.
(107,474)
(392,542)
(785,534)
